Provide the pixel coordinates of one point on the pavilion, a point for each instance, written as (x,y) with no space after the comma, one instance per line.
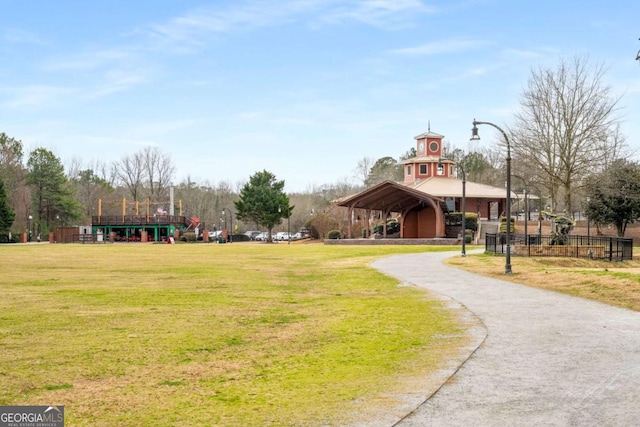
(430,189)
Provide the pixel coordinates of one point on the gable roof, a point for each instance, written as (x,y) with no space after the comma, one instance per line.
(390,195)
(451,187)
(428,134)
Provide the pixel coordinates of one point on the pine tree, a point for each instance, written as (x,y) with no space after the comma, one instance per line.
(6,212)
(263,201)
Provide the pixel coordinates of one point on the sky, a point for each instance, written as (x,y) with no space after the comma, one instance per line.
(304,89)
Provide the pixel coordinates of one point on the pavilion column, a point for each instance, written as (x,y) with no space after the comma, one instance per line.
(349,221)
(385,214)
(404,214)
(367,224)
(440,227)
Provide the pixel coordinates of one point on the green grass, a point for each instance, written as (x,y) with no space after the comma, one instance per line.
(237,334)
(615,283)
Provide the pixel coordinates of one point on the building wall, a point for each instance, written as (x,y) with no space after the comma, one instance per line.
(420,224)
(410,225)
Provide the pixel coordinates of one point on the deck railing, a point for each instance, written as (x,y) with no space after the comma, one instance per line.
(111,220)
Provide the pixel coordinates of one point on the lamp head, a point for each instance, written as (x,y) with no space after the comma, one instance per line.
(474,132)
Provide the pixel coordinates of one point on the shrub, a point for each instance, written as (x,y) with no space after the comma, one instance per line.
(333,234)
(470,220)
(393,226)
(188,237)
(503,225)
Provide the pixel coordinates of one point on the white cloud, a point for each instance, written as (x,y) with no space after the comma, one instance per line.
(37,96)
(441,47)
(116,81)
(90,60)
(186,32)
(379,13)
(18,36)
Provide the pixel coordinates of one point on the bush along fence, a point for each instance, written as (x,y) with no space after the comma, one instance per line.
(536,245)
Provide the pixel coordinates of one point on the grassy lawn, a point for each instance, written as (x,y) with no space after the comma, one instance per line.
(236,334)
(615,283)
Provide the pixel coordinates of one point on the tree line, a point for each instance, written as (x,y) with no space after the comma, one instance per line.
(38,193)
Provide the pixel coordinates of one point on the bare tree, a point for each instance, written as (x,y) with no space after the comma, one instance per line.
(361,172)
(159,171)
(614,148)
(565,125)
(131,174)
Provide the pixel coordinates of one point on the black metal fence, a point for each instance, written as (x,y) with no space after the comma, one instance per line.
(536,245)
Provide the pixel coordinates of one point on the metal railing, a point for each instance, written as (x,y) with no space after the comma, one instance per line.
(536,245)
(106,220)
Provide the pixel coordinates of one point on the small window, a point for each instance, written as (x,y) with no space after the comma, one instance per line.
(423,169)
(409,170)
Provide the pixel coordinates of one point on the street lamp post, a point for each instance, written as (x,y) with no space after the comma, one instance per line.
(463,207)
(230,232)
(476,137)
(288,223)
(288,226)
(526,217)
(526,208)
(588,225)
(464,211)
(29,231)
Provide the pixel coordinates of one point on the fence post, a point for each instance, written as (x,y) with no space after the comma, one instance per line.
(610,249)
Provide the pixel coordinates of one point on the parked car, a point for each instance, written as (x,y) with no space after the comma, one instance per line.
(283,236)
(262,237)
(252,234)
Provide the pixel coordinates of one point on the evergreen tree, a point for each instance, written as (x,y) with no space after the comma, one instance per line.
(614,195)
(6,213)
(384,169)
(51,193)
(263,201)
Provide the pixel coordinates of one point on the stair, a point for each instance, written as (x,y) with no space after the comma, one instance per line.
(485,227)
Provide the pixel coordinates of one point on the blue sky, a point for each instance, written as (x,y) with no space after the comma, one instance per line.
(301,88)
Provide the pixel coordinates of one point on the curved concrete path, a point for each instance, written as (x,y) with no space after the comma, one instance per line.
(548,359)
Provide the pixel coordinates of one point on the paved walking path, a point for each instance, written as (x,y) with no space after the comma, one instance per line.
(548,359)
